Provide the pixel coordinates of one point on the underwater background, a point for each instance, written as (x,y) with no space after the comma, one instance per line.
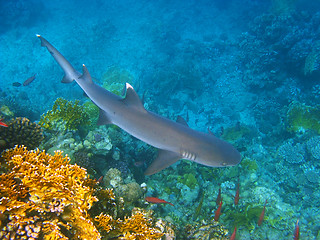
(248,71)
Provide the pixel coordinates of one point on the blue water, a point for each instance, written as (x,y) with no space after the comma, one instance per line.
(219,64)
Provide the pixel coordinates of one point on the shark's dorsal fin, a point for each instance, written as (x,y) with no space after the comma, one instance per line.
(132,99)
(103,118)
(164,160)
(85,74)
(182,121)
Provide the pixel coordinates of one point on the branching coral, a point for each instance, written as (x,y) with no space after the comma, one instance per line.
(136,227)
(43,196)
(68,114)
(21,131)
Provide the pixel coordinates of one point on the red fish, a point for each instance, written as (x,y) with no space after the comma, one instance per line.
(237,196)
(3,124)
(262,214)
(233,236)
(99,181)
(157,200)
(218,212)
(29,80)
(296,231)
(218,200)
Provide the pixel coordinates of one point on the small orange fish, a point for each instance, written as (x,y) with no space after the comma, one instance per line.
(3,124)
(262,214)
(157,200)
(218,212)
(218,200)
(233,236)
(296,231)
(29,80)
(237,196)
(99,181)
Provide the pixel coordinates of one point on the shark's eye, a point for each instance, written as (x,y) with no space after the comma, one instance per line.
(224,164)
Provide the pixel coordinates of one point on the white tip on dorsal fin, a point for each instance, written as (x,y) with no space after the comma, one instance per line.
(85,74)
(182,121)
(132,99)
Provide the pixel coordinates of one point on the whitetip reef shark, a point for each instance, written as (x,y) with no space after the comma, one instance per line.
(175,140)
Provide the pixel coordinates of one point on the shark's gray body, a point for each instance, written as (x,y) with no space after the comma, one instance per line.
(175,140)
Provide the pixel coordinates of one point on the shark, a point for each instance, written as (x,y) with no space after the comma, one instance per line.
(174,140)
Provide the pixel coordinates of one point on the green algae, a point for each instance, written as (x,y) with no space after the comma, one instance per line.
(301,117)
(233,134)
(189,180)
(248,217)
(250,165)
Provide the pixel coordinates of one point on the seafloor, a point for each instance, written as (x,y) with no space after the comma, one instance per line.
(249,71)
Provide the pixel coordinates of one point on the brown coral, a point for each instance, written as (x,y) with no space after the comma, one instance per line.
(21,131)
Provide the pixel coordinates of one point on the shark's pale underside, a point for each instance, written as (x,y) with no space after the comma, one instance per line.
(175,140)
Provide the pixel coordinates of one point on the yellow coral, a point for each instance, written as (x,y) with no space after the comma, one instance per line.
(42,189)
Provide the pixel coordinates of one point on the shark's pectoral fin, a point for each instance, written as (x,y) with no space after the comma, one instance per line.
(66,79)
(164,160)
(132,99)
(103,118)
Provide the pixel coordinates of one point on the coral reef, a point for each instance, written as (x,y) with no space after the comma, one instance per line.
(21,131)
(292,153)
(135,227)
(128,193)
(283,7)
(313,146)
(64,115)
(312,62)
(44,197)
(301,117)
(6,111)
(207,231)
(188,179)
(115,78)
(98,141)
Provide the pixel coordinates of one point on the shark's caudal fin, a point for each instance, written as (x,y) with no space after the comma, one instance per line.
(164,160)
(70,73)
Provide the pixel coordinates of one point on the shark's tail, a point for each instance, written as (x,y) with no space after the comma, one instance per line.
(70,73)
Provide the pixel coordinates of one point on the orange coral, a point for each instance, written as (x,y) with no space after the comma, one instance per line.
(136,227)
(46,194)
(45,197)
